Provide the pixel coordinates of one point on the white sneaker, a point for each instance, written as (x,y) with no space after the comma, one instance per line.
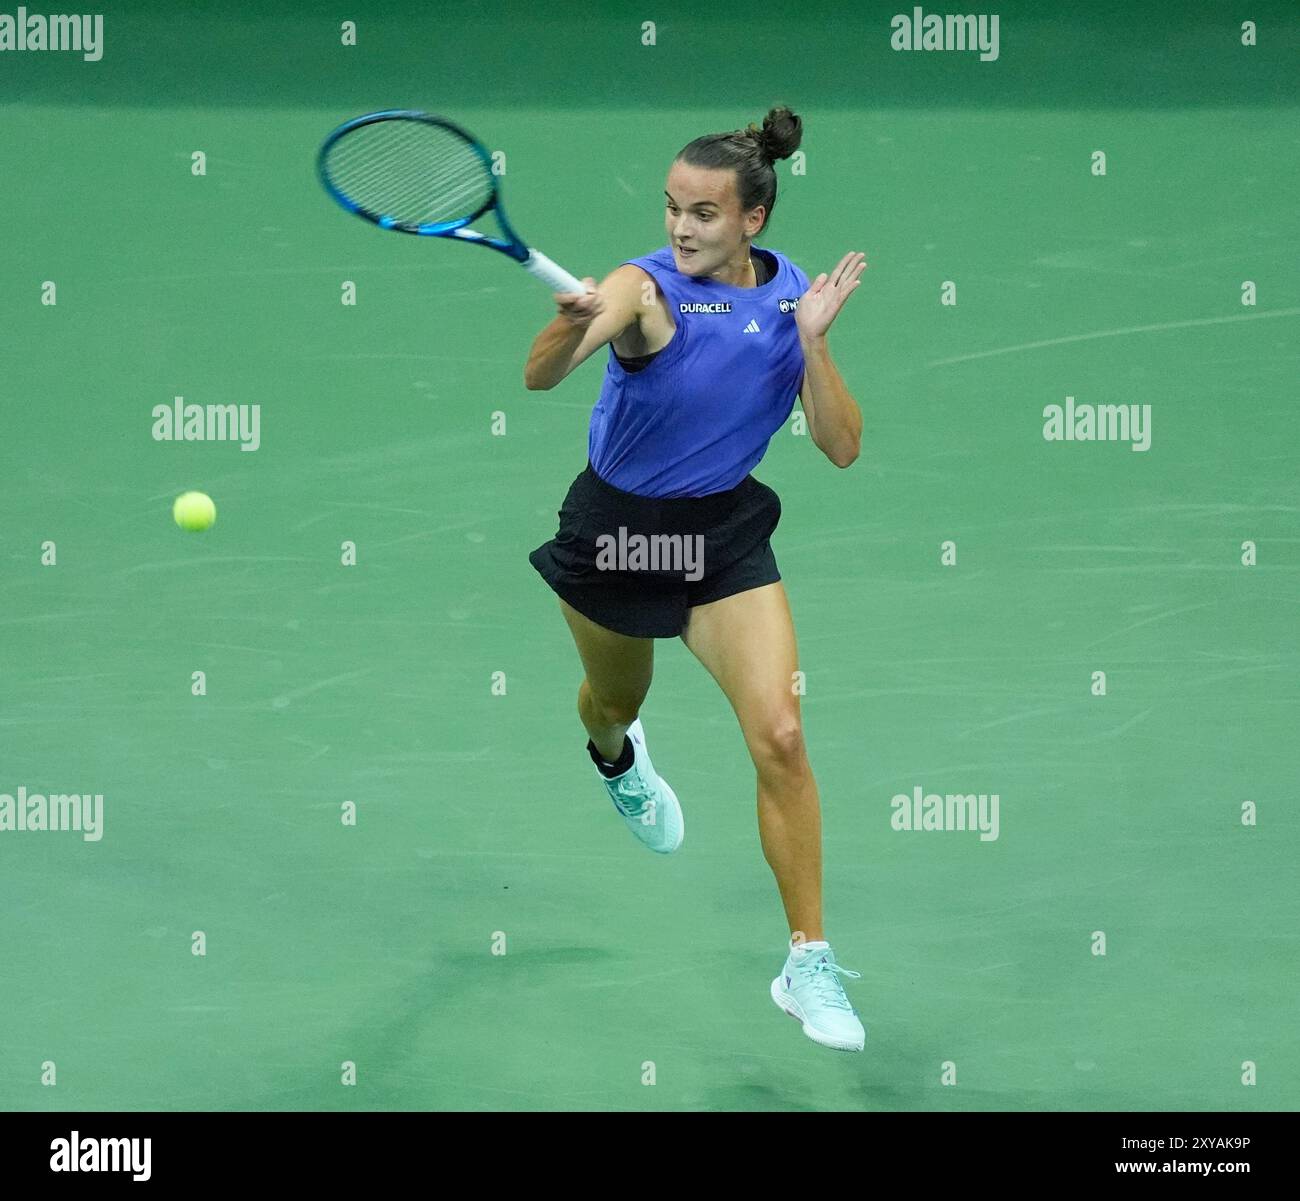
(642,796)
(809,990)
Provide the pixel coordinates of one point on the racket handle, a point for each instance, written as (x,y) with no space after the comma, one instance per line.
(551,274)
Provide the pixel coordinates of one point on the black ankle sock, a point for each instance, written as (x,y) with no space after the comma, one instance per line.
(610,770)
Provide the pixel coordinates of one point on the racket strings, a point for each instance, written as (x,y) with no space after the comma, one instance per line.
(410,171)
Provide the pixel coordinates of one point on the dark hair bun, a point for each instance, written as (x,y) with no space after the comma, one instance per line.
(780,135)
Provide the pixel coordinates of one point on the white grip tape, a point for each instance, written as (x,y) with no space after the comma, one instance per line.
(554,276)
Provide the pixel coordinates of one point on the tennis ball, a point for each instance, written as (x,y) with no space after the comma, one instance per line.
(194,511)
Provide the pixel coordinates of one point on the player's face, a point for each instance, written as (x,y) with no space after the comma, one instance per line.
(703,218)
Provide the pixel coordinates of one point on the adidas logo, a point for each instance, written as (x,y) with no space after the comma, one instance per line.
(752,327)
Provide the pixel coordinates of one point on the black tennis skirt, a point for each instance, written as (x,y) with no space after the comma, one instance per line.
(635,564)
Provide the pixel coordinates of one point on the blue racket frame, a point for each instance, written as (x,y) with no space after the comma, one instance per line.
(515,248)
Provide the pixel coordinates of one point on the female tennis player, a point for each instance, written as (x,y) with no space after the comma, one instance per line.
(665,533)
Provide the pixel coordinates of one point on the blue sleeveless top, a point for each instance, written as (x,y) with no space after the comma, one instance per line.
(698,418)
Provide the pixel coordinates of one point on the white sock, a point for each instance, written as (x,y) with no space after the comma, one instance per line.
(819,945)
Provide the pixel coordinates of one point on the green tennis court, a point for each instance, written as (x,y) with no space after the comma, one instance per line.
(484,935)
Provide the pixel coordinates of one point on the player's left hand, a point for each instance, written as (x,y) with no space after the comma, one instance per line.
(826,295)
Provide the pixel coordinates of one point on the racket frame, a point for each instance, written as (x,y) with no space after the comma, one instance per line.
(515,247)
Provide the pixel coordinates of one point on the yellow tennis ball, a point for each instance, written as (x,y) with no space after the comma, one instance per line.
(194,511)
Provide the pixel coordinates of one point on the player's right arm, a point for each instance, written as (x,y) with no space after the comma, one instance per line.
(583,325)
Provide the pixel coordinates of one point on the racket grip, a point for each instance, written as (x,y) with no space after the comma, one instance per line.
(551,274)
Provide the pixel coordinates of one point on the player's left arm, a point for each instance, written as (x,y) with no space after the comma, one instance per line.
(834,419)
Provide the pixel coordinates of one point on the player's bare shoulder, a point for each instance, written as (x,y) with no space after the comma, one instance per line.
(652,327)
(619,321)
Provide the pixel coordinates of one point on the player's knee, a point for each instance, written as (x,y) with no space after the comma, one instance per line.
(619,712)
(612,710)
(779,744)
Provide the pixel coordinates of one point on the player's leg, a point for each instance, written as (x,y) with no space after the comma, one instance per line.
(747,643)
(619,670)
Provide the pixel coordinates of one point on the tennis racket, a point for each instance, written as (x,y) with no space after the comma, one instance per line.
(421,174)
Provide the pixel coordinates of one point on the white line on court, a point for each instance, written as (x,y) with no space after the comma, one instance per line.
(1111,333)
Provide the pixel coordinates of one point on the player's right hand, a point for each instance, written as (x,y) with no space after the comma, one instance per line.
(581,308)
